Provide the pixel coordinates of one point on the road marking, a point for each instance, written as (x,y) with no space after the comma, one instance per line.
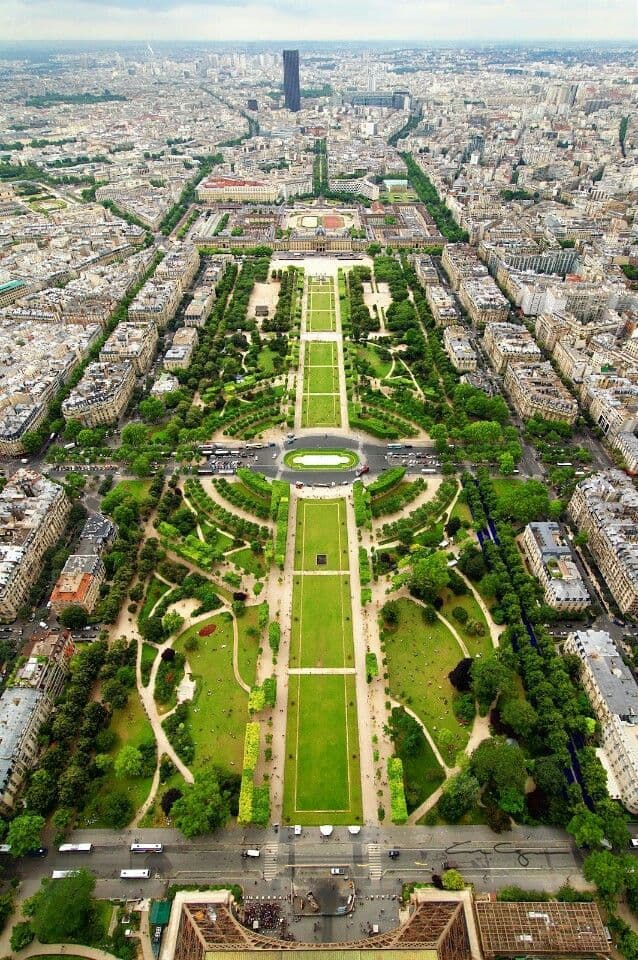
(271,854)
(374,861)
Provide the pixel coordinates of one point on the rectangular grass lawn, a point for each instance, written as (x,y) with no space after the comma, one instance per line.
(420,655)
(322,777)
(321,297)
(321,529)
(321,410)
(321,353)
(321,634)
(321,380)
(321,321)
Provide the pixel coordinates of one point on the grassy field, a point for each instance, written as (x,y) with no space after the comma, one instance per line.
(320,315)
(321,529)
(322,777)
(321,380)
(422,774)
(419,658)
(295,459)
(249,562)
(321,321)
(321,410)
(380,363)
(134,488)
(320,354)
(475,645)
(249,635)
(321,633)
(218,714)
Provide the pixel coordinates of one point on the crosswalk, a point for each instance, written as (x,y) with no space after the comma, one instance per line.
(271,854)
(374,861)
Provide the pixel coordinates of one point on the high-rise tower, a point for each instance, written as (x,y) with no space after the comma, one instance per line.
(292,95)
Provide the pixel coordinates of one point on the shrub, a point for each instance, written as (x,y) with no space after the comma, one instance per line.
(281,532)
(386,481)
(361,499)
(365,573)
(398,807)
(274,636)
(372,666)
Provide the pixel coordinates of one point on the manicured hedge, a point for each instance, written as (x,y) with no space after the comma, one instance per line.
(398,806)
(372,666)
(237,526)
(365,573)
(254,801)
(361,499)
(242,497)
(274,636)
(423,515)
(279,489)
(256,482)
(281,531)
(386,480)
(394,501)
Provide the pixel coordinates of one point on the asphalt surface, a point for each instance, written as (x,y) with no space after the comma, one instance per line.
(539,857)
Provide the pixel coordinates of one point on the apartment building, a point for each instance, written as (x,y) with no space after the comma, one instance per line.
(508,342)
(460,263)
(102,395)
(199,309)
(459,349)
(612,403)
(550,560)
(218,189)
(33,513)
(181,263)
(157,301)
(627,446)
(536,391)
(483,301)
(426,271)
(78,584)
(132,341)
(180,353)
(605,507)
(354,187)
(571,362)
(25,705)
(442,305)
(613,693)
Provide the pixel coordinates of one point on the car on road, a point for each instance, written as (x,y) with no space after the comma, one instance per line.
(336,871)
(393,854)
(37,852)
(634,842)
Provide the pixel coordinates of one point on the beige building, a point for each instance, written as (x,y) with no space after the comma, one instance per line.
(483,301)
(102,395)
(550,560)
(136,342)
(508,342)
(217,189)
(442,305)
(605,507)
(180,353)
(181,263)
(78,584)
(156,302)
(613,694)
(536,391)
(459,349)
(33,514)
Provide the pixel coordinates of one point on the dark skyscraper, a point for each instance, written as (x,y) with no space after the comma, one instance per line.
(291,80)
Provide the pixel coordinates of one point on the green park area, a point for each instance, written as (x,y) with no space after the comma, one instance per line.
(322,777)
(419,657)
(320,406)
(321,535)
(321,317)
(217,715)
(321,633)
(322,781)
(321,459)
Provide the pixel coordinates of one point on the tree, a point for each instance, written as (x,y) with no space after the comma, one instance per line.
(21,936)
(152,409)
(586,827)
(172,622)
(134,435)
(490,677)
(607,871)
(460,614)
(141,465)
(519,716)
(169,798)
(390,613)
(506,464)
(117,810)
(41,792)
(23,834)
(452,880)
(73,617)
(461,793)
(500,768)
(62,909)
(524,502)
(429,576)
(128,762)
(203,807)
(460,677)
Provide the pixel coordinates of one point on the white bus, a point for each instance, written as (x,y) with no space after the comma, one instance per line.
(134,874)
(75,848)
(147,847)
(61,874)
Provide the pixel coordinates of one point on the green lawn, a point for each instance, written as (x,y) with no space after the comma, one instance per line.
(321,411)
(322,781)
(321,633)
(134,488)
(422,774)
(149,652)
(321,296)
(265,359)
(321,380)
(217,717)
(249,643)
(320,354)
(475,645)
(321,321)
(419,658)
(155,590)
(321,529)
(380,361)
(295,459)
(248,561)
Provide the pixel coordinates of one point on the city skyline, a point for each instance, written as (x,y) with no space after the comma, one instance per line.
(59,21)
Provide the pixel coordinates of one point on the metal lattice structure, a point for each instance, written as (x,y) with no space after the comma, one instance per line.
(439,926)
(541,929)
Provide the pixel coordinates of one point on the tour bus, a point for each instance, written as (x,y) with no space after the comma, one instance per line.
(395,446)
(147,847)
(75,848)
(221,453)
(134,874)
(61,874)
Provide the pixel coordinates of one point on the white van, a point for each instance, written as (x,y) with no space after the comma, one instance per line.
(250,853)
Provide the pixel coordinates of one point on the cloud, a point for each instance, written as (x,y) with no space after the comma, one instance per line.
(43,21)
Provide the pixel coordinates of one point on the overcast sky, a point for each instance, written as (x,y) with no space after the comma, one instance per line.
(66,21)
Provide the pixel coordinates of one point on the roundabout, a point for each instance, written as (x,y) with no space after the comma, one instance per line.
(321,459)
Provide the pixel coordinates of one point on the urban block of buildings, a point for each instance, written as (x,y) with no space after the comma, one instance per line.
(550,560)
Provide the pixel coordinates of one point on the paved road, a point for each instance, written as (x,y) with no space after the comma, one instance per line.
(532,857)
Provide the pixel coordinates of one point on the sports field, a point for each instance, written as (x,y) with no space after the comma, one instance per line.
(321,402)
(321,306)
(321,531)
(322,780)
